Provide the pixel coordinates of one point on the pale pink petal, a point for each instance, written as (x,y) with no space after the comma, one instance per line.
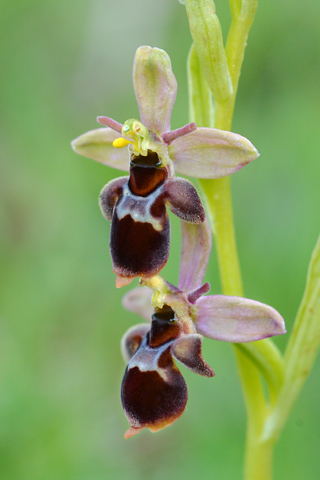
(155,87)
(211,153)
(236,319)
(138,300)
(97,145)
(195,253)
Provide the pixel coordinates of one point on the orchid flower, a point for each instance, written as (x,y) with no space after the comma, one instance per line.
(136,205)
(153,392)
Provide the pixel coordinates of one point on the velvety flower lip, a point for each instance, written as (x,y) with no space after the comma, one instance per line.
(140,228)
(153,392)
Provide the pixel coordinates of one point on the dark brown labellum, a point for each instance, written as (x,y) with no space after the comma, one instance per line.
(150,401)
(137,248)
(153,392)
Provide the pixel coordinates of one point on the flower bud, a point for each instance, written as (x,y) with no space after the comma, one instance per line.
(200,97)
(207,36)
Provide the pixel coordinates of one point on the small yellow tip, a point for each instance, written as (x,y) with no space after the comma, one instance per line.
(120,142)
(132,431)
(123,281)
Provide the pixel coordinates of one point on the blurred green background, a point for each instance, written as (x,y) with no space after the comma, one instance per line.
(61,320)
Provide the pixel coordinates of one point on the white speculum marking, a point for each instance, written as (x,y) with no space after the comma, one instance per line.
(139,207)
(146,359)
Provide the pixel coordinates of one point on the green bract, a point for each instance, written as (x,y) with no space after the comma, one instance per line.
(207,36)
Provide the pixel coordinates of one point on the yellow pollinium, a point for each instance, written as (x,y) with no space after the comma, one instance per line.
(136,131)
(121,142)
(160,289)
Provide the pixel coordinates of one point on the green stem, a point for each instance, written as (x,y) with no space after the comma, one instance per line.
(217,196)
(258,456)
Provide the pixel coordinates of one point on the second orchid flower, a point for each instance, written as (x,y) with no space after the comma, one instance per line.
(154,393)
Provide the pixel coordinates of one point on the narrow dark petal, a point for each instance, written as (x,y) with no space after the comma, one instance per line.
(168,137)
(198,292)
(109,122)
(138,249)
(184,201)
(131,340)
(109,195)
(153,399)
(187,349)
(195,253)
